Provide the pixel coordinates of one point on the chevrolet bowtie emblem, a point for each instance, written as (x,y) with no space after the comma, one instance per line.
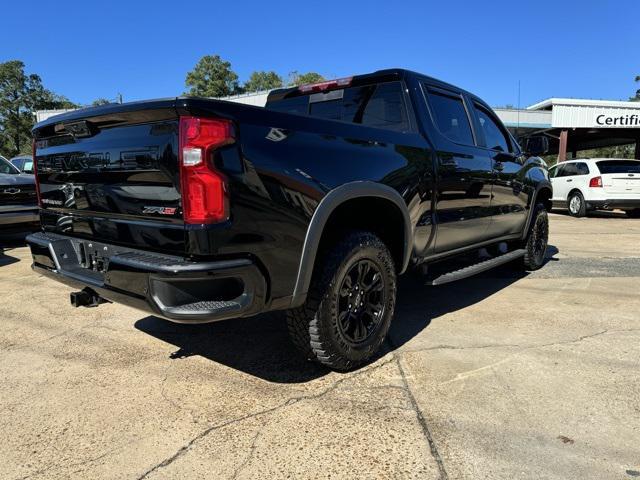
(11,191)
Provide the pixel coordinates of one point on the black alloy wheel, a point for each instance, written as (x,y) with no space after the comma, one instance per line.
(361,302)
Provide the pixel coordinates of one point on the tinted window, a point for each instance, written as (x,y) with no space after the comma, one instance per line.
(618,166)
(354,102)
(6,167)
(296,105)
(570,169)
(331,110)
(560,171)
(553,171)
(345,105)
(380,106)
(582,168)
(385,108)
(451,117)
(494,136)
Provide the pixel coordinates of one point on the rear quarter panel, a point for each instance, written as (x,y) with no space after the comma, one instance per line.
(286,164)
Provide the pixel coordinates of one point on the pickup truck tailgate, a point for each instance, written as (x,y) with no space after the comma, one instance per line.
(112,175)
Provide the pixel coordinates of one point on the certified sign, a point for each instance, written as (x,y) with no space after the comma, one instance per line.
(632,120)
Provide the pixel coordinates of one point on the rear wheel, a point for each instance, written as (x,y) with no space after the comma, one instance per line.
(576,204)
(537,239)
(635,213)
(350,304)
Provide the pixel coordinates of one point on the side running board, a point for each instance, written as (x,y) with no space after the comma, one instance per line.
(477,268)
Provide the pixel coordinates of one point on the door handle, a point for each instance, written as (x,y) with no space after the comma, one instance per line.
(569,180)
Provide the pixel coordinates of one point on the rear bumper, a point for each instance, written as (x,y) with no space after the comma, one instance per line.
(623,203)
(167,286)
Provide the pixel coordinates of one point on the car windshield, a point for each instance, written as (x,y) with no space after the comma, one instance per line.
(6,167)
(619,166)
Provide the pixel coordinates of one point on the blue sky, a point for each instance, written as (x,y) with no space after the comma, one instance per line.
(143,49)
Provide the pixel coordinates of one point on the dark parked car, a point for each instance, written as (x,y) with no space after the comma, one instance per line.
(18,201)
(23,163)
(200,210)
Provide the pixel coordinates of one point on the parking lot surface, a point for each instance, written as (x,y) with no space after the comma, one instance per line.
(505,375)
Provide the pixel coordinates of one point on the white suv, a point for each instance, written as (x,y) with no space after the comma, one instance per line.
(581,185)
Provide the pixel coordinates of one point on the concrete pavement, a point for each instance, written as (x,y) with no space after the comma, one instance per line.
(505,375)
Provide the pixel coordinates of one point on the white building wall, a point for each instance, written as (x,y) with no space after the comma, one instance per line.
(590,116)
(258,99)
(42,115)
(524,118)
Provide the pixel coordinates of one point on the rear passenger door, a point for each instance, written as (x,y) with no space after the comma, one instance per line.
(509,195)
(463,172)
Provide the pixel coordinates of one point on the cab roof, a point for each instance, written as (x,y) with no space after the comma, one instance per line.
(379,76)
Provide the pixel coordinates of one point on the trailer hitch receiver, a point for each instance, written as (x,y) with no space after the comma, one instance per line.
(86,298)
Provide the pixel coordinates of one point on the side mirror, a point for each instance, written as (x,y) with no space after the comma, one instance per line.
(537,145)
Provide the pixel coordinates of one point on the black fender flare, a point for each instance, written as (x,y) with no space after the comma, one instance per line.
(532,206)
(323,211)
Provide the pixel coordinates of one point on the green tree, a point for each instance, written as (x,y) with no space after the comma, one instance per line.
(637,97)
(100,101)
(212,77)
(296,78)
(263,81)
(20,95)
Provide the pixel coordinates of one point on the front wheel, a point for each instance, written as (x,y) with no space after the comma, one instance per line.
(350,303)
(537,239)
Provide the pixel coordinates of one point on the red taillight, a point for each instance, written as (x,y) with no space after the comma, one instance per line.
(204,195)
(595,182)
(35,172)
(328,85)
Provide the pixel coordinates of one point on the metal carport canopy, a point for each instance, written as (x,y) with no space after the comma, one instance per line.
(577,124)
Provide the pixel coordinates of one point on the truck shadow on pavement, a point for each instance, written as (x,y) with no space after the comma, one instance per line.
(6,259)
(9,242)
(260,345)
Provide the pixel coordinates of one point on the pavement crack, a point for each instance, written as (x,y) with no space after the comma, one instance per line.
(252,451)
(524,347)
(424,426)
(163,392)
(291,401)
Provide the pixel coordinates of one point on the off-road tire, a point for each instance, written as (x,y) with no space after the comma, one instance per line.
(581,210)
(537,239)
(314,327)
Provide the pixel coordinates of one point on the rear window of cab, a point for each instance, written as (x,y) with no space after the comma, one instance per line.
(380,105)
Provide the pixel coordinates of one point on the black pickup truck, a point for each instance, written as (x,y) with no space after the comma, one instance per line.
(200,210)
(18,201)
